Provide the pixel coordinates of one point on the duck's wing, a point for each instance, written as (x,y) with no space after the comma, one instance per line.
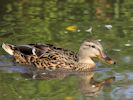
(54,57)
(43,46)
(51,49)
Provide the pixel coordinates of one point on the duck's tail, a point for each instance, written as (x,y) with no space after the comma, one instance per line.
(8,48)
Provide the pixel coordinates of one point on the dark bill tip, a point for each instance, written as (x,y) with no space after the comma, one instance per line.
(109,60)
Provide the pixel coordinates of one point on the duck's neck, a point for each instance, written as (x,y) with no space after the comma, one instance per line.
(87,61)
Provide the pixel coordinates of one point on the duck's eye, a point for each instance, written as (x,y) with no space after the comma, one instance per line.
(93,46)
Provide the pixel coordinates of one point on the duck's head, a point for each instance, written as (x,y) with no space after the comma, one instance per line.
(93,49)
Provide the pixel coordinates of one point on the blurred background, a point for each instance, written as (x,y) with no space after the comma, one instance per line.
(66,23)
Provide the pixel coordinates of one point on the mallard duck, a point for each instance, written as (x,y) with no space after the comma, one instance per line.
(50,57)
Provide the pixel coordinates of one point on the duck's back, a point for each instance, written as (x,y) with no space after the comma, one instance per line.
(44,56)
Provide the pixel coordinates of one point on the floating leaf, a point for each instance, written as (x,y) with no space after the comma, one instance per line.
(69,98)
(72,28)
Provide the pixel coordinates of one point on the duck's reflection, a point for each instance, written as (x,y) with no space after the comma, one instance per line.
(90,87)
(87,83)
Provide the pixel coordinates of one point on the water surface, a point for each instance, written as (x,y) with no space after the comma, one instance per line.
(67,23)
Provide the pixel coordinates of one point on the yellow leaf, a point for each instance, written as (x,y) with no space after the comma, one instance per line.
(69,98)
(71,28)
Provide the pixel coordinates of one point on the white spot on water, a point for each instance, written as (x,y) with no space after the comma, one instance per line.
(116,50)
(89,30)
(66,32)
(108,26)
(78,30)
(127,44)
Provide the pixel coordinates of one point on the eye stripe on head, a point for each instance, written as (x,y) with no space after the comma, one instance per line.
(92,44)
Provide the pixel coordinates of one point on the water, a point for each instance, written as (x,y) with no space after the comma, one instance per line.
(67,23)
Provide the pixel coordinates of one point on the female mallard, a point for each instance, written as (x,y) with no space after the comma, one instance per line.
(46,56)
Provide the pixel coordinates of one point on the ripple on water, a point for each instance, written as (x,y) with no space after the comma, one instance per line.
(123,93)
(115,49)
(124,76)
(127,59)
(130,75)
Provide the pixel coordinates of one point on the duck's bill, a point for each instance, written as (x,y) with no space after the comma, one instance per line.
(107,59)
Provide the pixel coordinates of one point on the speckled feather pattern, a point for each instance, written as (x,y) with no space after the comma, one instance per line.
(47,56)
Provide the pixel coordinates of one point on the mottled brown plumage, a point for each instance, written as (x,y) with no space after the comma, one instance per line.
(47,56)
